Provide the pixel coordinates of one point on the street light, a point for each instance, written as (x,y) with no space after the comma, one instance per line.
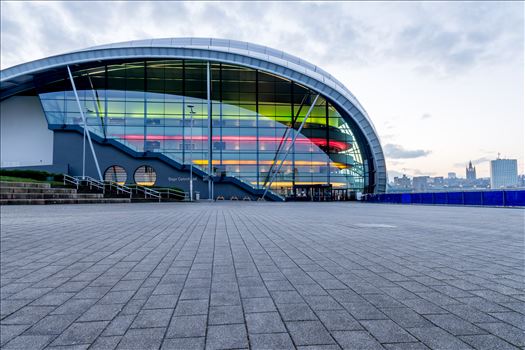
(192,112)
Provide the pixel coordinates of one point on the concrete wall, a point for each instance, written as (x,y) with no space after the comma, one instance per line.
(68,154)
(25,138)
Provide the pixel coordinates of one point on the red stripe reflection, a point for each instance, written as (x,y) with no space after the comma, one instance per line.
(339,145)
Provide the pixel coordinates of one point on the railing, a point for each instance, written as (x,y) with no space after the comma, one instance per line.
(68,179)
(147,192)
(119,188)
(92,182)
(170,193)
(78,181)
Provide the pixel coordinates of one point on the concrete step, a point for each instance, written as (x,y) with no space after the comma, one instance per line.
(63,201)
(50,195)
(25,184)
(36,190)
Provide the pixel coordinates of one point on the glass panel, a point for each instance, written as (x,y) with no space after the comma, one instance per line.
(160,106)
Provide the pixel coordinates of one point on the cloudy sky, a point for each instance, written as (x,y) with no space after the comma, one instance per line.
(442,82)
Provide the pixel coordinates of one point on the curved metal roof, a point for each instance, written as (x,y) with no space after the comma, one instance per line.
(220,50)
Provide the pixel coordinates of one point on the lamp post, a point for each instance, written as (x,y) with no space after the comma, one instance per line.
(192,112)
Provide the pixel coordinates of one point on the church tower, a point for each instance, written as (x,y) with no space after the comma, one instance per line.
(471,172)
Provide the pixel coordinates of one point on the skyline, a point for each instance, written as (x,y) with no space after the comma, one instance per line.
(442,82)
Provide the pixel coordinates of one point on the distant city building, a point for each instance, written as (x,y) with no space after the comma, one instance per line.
(521,180)
(402,182)
(470,172)
(420,183)
(451,175)
(438,181)
(503,173)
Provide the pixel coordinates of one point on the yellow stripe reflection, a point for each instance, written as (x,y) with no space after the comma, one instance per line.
(265,162)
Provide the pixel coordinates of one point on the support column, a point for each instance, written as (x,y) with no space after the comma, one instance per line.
(210,124)
(85,123)
(292,144)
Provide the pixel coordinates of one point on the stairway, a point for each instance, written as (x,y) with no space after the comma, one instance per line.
(43,193)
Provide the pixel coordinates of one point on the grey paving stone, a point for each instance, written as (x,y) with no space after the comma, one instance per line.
(487,342)
(167,301)
(119,325)
(117,297)
(319,347)
(359,340)
(338,320)
(470,313)
(386,331)
(28,315)
(69,347)
(183,344)
(99,312)
(364,311)
(509,333)
(226,337)
(187,326)
(416,274)
(514,318)
(297,312)
(436,338)
(51,325)
(225,298)
(191,307)
(195,293)
(406,318)
(24,342)
(52,299)
(266,322)
(80,333)
(258,305)
(322,302)
(74,307)
(454,324)
(152,318)
(287,297)
(309,333)
(142,339)
(229,314)
(405,346)
(106,343)
(8,332)
(271,341)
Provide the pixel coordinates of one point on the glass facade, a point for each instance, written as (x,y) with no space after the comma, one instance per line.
(162,106)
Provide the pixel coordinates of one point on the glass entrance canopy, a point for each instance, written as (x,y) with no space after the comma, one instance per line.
(161,106)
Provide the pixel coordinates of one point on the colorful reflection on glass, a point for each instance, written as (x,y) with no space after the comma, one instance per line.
(144,105)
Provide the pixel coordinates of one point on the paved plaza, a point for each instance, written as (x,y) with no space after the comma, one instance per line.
(261,276)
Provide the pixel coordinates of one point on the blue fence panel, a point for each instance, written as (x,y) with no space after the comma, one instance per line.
(440,198)
(493,198)
(514,198)
(455,198)
(490,198)
(427,198)
(472,198)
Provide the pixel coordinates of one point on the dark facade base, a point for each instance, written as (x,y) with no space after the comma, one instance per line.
(68,155)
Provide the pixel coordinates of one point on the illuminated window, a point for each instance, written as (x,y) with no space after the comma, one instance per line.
(116,173)
(145,176)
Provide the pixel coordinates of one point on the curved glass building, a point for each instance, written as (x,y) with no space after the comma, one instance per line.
(249,119)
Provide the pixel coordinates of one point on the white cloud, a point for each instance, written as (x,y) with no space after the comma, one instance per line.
(455,60)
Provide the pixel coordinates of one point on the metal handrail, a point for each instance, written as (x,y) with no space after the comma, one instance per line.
(119,187)
(178,194)
(92,182)
(71,179)
(147,191)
